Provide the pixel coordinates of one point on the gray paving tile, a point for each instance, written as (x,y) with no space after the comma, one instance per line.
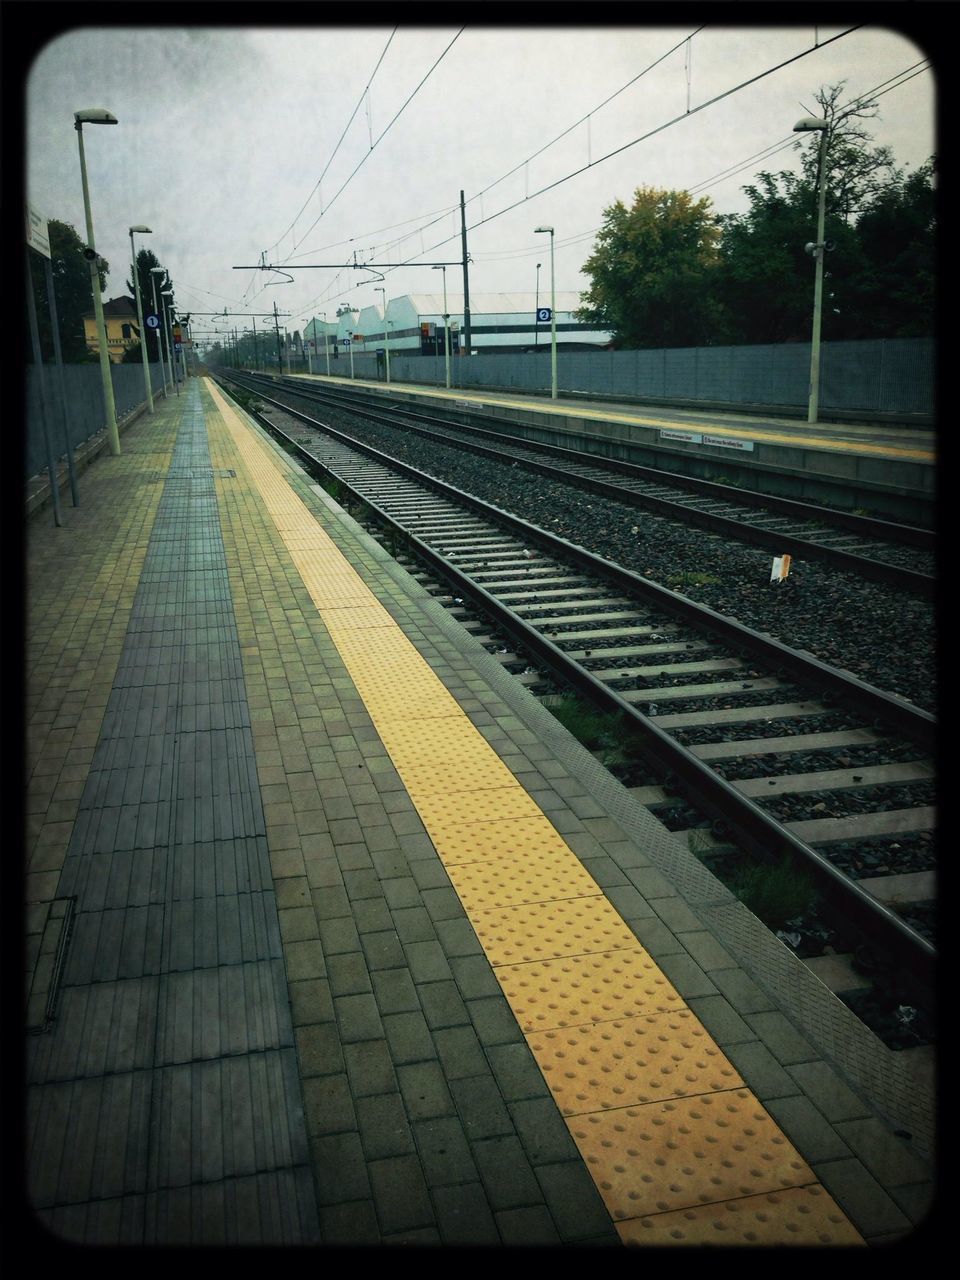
(887,1157)
(527,1227)
(574,1202)
(409,1037)
(463,1215)
(352,1224)
(425,1090)
(400,1194)
(781,1037)
(540,1127)
(444,1152)
(862,1198)
(507,1176)
(370,1067)
(328,1105)
(442,1005)
(340,1169)
(494,1021)
(760,1070)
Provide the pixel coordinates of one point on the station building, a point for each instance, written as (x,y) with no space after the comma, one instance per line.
(414,324)
(120,322)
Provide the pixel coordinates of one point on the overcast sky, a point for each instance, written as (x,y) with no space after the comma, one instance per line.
(224,134)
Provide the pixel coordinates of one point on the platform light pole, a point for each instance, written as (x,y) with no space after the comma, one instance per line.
(154,272)
(141,230)
(553,314)
(386,339)
(168,293)
(97,115)
(446,325)
(536,312)
(811,124)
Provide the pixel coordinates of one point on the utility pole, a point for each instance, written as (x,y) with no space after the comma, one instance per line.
(276,322)
(466,277)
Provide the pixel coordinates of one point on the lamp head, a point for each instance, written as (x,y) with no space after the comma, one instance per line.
(94,115)
(141,230)
(810,124)
(537,230)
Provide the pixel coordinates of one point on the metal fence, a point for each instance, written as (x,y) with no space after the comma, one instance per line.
(889,375)
(83,388)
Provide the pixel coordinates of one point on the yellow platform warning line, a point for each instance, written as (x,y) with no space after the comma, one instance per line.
(680,1150)
(766,435)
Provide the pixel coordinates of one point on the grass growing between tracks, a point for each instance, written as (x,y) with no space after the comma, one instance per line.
(777,893)
(610,737)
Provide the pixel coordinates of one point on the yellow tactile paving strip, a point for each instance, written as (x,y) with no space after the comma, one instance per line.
(679,1149)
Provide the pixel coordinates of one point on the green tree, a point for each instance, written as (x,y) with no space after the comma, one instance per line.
(766,281)
(879,224)
(146,261)
(653,271)
(72,293)
(895,294)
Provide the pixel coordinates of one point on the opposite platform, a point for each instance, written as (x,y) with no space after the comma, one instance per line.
(350,909)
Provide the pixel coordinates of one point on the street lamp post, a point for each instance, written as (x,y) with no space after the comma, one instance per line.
(446,326)
(350,340)
(386,339)
(143,335)
(536,312)
(154,272)
(553,316)
(389,336)
(174,372)
(810,124)
(97,115)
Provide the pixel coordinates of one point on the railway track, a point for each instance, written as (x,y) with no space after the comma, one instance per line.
(877,550)
(749,745)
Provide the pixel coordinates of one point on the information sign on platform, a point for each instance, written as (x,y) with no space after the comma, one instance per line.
(38,236)
(543,315)
(152,322)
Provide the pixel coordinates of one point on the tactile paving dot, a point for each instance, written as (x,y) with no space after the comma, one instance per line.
(798,1216)
(686,1152)
(581,989)
(402,702)
(507,882)
(448,777)
(544,931)
(639,1059)
(437,811)
(437,738)
(357,618)
(513,838)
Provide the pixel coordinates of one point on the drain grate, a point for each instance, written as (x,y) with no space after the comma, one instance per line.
(49,925)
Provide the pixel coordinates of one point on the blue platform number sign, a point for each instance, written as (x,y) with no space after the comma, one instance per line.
(345,342)
(543,315)
(152,322)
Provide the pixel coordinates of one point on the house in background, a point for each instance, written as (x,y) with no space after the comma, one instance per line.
(120,320)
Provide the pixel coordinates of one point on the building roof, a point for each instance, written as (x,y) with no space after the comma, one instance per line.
(121,308)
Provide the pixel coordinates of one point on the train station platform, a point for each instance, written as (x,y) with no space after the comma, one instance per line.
(750,448)
(335,937)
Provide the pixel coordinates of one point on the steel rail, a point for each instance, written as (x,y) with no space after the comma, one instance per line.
(879,571)
(762,835)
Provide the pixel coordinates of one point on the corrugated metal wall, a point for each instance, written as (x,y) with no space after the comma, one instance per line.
(84,394)
(892,375)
